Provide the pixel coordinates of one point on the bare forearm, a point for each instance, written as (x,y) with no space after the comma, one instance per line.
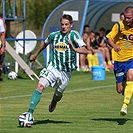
(82,50)
(41,48)
(116,48)
(3,38)
(111,43)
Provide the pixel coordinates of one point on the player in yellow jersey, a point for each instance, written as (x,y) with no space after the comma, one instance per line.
(121,39)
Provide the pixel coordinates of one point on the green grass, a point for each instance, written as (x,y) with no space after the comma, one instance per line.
(87,106)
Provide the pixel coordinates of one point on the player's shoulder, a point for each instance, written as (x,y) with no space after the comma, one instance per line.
(74,32)
(120,25)
(55,32)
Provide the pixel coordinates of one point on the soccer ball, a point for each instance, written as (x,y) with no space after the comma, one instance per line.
(12,75)
(25,120)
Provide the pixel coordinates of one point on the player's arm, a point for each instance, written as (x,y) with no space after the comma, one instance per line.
(81,50)
(111,35)
(2,45)
(41,48)
(116,48)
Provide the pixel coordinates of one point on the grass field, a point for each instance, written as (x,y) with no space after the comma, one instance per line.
(87,106)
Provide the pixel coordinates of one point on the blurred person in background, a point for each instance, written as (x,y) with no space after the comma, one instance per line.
(82,57)
(2,44)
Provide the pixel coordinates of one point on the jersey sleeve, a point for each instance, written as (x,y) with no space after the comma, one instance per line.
(78,40)
(115,30)
(48,40)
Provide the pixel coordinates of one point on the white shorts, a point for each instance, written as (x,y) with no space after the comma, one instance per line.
(57,79)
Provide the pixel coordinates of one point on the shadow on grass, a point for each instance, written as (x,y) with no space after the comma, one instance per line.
(120,121)
(49,121)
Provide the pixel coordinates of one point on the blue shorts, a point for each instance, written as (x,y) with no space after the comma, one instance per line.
(121,68)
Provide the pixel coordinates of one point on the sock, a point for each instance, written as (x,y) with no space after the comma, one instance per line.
(105,63)
(89,59)
(109,63)
(95,60)
(128,93)
(56,98)
(36,96)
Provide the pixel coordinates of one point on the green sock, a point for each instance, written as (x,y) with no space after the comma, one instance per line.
(56,98)
(36,96)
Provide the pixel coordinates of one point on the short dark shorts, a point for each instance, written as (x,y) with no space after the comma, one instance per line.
(121,68)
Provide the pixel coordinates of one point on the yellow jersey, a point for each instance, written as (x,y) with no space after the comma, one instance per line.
(122,35)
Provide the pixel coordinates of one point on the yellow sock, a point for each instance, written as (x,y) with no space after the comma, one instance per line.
(128,93)
(109,63)
(95,60)
(89,59)
(105,63)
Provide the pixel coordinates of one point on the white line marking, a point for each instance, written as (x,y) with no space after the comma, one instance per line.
(69,91)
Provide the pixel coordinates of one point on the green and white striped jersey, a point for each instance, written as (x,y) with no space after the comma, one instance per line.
(61,56)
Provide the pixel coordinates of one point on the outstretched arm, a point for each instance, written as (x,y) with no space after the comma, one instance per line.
(116,48)
(81,50)
(41,47)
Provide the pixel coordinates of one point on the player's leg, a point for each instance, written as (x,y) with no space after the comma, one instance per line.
(1,62)
(82,61)
(56,98)
(90,60)
(128,92)
(1,79)
(36,96)
(63,79)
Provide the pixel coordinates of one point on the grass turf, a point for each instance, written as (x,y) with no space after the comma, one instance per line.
(87,106)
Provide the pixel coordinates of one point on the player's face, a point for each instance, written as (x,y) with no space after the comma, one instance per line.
(65,26)
(129,18)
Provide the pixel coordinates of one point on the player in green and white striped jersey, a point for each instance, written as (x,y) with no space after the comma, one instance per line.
(62,57)
(65,44)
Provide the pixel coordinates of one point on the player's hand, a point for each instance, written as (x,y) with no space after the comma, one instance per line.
(117,48)
(32,57)
(71,45)
(2,50)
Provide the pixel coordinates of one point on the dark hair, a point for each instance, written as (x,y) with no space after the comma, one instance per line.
(122,14)
(97,33)
(85,33)
(68,17)
(129,9)
(92,32)
(86,25)
(102,29)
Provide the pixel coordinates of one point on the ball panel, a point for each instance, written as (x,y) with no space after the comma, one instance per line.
(12,75)
(25,120)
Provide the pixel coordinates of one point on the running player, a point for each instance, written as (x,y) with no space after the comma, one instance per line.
(121,39)
(65,44)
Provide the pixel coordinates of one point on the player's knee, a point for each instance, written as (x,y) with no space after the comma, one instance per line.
(43,84)
(120,90)
(40,87)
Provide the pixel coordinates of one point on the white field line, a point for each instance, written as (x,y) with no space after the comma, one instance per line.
(67,91)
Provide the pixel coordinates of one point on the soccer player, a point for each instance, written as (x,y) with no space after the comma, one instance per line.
(65,44)
(121,39)
(2,44)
